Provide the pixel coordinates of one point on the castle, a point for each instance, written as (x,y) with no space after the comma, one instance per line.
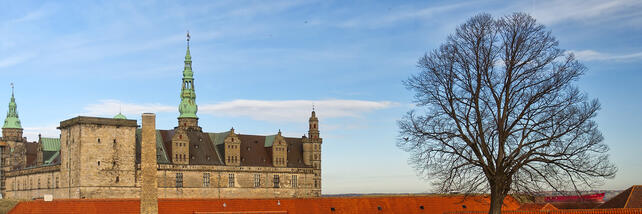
(101,158)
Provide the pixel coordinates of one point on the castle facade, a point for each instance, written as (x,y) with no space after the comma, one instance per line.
(101,158)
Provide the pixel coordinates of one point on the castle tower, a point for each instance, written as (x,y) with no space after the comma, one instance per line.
(12,129)
(97,152)
(312,151)
(187,108)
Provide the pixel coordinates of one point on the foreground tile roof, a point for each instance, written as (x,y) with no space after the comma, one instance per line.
(370,204)
(537,206)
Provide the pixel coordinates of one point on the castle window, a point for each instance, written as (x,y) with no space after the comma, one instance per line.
(98,163)
(98,140)
(117,179)
(276,181)
(206,179)
(257,180)
(38,184)
(179,180)
(56,181)
(294,182)
(230,180)
(316,184)
(114,141)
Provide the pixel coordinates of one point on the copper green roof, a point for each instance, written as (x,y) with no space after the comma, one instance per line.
(120,116)
(12,121)
(52,157)
(50,144)
(269,140)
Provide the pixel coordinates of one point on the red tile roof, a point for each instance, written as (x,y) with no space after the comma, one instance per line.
(370,204)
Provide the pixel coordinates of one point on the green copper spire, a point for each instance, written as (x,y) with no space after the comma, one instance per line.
(12,121)
(188,107)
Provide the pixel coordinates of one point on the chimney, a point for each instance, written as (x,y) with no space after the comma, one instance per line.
(149,186)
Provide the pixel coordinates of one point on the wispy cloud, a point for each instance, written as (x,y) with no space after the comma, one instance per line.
(264,110)
(260,7)
(591,55)
(554,11)
(376,20)
(16,59)
(34,15)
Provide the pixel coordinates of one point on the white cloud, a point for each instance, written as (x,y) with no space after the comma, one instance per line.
(591,55)
(280,110)
(113,107)
(47,131)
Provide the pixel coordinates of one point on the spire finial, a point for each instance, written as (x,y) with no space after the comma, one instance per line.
(188,37)
(12,89)
(312,106)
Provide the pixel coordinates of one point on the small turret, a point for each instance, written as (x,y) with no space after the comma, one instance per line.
(313,131)
(120,116)
(312,151)
(12,129)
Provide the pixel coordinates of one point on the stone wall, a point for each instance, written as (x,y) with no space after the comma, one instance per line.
(33,182)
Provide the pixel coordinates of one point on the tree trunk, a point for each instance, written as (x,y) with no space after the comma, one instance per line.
(496,199)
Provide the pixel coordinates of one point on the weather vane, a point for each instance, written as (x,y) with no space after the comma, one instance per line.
(312,106)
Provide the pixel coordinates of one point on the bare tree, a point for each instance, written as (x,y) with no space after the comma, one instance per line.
(497,111)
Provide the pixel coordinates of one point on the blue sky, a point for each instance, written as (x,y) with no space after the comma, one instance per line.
(261,65)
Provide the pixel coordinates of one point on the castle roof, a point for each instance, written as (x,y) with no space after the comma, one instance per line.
(50,144)
(208,148)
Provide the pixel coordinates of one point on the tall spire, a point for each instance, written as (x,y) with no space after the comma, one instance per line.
(188,107)
(12,121)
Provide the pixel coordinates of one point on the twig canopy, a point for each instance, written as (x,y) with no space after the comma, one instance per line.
(496,110)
